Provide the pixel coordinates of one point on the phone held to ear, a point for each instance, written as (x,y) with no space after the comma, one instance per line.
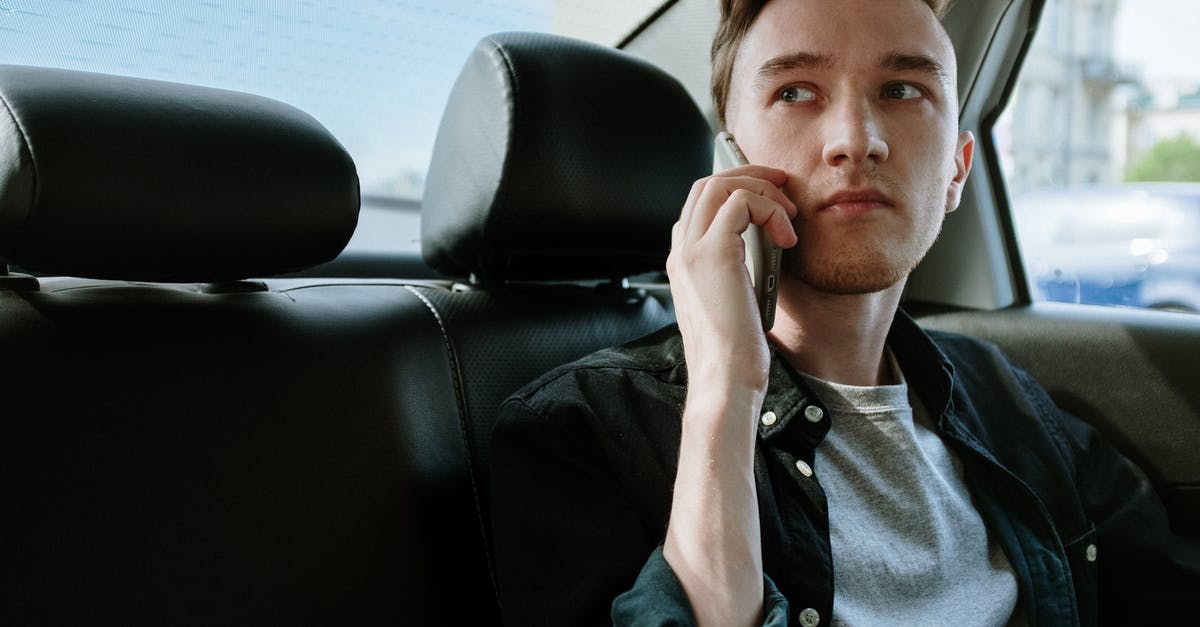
(762,255)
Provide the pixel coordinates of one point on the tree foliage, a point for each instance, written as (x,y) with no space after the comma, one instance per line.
(1174,159)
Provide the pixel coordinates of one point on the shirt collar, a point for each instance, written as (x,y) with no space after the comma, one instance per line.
(791,407)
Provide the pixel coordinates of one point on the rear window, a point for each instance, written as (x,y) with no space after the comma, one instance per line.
(375,73)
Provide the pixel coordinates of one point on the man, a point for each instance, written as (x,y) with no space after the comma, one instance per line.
(845,467)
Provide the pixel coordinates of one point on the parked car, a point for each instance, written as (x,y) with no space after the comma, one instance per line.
(215,413)
(1136,244)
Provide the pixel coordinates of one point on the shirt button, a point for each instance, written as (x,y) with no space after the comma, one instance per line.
(1091,552)
(805,470)
(769,418)
(809,617)
(813,413)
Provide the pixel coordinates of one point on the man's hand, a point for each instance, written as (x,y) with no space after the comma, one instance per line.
(713,543)
(710,285)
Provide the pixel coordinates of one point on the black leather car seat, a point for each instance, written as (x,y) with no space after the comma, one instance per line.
(187,442)
(558,171)
(200,449)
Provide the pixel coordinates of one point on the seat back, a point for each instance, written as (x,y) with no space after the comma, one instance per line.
(187,442)
(200,449)
(558,171)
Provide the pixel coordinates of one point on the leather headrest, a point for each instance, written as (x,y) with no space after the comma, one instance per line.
(559,159)
(121,178)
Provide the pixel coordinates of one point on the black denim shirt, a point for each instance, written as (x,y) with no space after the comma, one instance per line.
(584,458)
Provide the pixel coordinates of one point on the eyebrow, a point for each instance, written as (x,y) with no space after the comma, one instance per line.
(792,61)
(901,62)
(892,61)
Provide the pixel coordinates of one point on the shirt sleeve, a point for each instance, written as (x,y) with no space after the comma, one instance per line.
(568,536)
(657,599)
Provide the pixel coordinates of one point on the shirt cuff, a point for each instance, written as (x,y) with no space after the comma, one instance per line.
(657,598)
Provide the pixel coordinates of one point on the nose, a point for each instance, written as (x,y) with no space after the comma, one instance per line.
(853,134)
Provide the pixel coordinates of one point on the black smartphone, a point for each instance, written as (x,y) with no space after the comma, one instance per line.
(762,255)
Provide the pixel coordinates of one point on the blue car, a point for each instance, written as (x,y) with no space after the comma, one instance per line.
(1134,244)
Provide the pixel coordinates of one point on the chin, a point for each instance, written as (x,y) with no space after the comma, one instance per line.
(852,283)
(845,276)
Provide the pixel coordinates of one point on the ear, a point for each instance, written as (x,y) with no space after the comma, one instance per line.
(963,153)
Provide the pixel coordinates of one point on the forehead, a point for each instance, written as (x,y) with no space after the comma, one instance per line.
(845,34)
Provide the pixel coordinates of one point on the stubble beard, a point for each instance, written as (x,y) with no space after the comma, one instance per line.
(850,268)
(866,274)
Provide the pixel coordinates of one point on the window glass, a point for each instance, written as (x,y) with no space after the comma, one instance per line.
(375,73)
(1100,149)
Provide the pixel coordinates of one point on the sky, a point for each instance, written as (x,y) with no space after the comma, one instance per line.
(1160,36)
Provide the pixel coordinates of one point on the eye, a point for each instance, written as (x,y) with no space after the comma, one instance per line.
(795,93)
(901,91)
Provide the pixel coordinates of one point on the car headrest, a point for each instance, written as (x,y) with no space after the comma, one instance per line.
(122,178)
(559,159)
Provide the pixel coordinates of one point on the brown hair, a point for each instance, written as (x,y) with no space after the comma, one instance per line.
(736,18)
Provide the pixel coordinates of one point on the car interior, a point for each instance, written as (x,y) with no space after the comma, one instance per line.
(213,418)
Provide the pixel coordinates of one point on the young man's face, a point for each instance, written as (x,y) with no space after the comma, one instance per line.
(857,101)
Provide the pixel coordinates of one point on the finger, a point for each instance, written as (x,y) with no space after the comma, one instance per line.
(685,214)
(744,209)
(748,175)
(716,192)
(764,188)
(677,233)
(774,176)
(713,194)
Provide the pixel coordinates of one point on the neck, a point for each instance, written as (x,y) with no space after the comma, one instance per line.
(835,337)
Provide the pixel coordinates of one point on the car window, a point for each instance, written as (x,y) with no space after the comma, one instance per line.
(375,73)
(1100,150)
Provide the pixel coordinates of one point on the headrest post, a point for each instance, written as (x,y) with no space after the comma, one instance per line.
(16,282)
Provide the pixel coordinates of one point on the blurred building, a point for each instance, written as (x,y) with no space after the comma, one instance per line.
(1066,126)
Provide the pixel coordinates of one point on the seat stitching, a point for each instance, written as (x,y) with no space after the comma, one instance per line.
(25,143)
(460,401)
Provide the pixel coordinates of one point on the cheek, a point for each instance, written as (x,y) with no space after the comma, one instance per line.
(941,148)
(770,137)
(928,165)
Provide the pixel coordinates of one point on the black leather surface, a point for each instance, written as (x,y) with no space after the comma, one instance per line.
(559,159)
(310,456)
(503,338)
(177,458)
(112,177)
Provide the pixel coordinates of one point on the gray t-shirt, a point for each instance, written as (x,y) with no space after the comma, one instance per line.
(908,546)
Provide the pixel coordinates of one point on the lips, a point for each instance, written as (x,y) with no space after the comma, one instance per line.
(856,201)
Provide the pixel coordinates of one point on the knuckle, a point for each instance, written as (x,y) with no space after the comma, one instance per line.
(675,265)
(743,197)
(740,193)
